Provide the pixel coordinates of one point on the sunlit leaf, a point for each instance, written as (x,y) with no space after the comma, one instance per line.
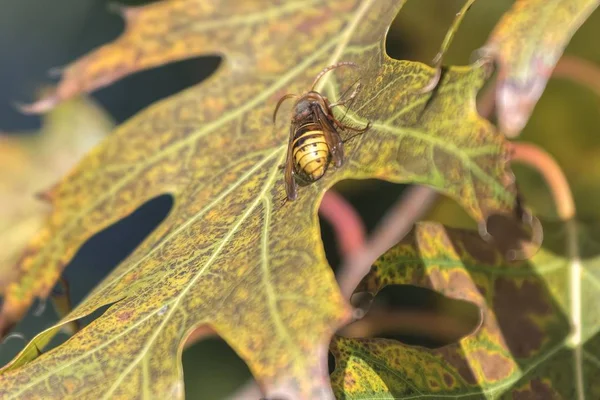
(527,43)
(30,163)
(524,346)
(232,254)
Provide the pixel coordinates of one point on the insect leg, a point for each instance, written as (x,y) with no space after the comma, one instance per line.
(359,132)
(352,96)
(343,100)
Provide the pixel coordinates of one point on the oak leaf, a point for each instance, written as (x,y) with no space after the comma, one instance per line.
(32,162)
(233,255)
(527,43)
(524,347)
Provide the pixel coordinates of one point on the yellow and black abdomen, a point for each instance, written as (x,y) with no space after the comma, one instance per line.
(311,153)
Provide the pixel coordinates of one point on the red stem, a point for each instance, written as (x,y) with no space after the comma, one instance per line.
(542,162)
(347,225)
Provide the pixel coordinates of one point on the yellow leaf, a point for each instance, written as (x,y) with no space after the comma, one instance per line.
(233,254)
(32,162)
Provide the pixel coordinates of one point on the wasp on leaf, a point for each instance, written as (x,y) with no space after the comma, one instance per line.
(314,137)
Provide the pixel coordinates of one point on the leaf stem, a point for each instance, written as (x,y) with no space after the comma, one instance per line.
(437,60)
(397,222)
(542,162)
(439,57)
(580,71)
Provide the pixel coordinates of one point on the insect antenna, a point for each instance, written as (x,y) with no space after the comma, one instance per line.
(348,107)
(281,100)
(353,136)
(331,67)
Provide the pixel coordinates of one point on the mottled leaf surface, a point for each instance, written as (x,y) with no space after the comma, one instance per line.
(33,161)
(524,347)
(232,254)
(527,43)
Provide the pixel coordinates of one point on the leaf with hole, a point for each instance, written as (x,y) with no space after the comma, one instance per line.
(29,164)
(524,346)
(233,255)
(527,44)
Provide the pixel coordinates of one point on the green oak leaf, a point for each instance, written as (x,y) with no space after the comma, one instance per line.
(525,346)
(233,255)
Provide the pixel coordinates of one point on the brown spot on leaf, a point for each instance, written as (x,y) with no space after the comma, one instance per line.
(70,384)
(448,380)
(515,306)
(482,290)
(494,366)
(309,25)
(460,286)
(535,390)
(479,249)
(124,315)
(453,356)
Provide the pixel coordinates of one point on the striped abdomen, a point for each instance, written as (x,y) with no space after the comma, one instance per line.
(310,152)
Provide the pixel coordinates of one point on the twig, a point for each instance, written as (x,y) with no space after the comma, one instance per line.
(542,162)
(580,71)
(439,57)
(393,227)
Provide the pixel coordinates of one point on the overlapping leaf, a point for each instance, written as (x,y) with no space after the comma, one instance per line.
(233,254)
(32,162)
(527,44)
(524,347)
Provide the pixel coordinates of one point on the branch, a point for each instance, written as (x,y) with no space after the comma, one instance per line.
(347,225)
(398,221)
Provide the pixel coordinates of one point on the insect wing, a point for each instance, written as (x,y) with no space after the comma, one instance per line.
(332,138)
(291,187)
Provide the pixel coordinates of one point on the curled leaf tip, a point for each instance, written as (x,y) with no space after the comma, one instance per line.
(527,43)
(123,10)
(39,107)
(12,336)
(515,104)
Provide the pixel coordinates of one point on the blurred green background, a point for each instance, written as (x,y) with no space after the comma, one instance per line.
(36,36)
